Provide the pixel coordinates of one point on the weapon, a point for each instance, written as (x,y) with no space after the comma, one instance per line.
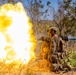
(72,38)
(43,38)
(66,38)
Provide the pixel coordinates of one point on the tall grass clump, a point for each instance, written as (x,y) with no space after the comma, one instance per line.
(71,56)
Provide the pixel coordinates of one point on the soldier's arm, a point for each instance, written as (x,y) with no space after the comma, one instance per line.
(53,46)
(47,39)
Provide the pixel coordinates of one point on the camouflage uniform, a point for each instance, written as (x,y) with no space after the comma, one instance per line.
(57,54)
(45,52)
(52,49)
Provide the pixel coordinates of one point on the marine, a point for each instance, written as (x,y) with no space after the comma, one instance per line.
(53,50)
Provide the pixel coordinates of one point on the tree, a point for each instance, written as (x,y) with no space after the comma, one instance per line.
(65,18)
(70,16)
(37,11)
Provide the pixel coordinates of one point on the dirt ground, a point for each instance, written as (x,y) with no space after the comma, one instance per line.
(36,68)
(69,73)
(40,73)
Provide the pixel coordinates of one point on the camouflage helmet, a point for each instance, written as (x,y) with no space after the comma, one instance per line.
(53,28)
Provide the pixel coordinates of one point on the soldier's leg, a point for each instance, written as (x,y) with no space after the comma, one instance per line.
(66,67)
(55,68)
(53,58)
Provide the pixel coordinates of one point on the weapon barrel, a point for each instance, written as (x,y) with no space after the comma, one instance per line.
(71,38)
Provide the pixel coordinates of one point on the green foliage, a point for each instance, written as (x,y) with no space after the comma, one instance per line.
(72,59)
(65,18)
(42,6)
(48,3)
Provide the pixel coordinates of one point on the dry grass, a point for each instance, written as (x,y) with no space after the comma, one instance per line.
(37,67)
(21,69)
(33,68)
